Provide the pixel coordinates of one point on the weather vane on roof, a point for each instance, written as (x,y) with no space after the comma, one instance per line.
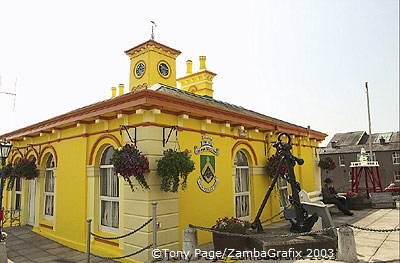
(152,29)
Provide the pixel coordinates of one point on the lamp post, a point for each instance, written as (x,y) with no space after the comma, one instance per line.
(5,148)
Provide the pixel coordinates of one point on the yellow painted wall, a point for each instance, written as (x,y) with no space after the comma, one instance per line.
(74,199)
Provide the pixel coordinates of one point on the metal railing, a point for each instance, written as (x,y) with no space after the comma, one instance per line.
(153,219)
(12,216)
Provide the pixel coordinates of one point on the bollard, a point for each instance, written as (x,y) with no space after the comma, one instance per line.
(155,226)
(346,245)
(189,243)
(3,252)
(89,222)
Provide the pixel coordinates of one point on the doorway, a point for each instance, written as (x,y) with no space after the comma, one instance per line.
(31,202)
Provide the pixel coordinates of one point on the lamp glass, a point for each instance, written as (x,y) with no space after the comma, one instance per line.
(5,149)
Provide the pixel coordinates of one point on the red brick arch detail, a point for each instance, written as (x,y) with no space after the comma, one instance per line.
(35,153)
(14,155)
(248,145)
(103,137)
(52,150)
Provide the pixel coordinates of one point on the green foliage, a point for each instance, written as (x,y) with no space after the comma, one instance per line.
(8,170)
(129,161)
(174,167)
(327,164)
(232,225)
(272,164)
(26,169)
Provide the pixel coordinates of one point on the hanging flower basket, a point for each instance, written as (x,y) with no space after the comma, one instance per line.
(174,167)
(272,164)
(27,169)
(327,164)
(129,161)
(9,174)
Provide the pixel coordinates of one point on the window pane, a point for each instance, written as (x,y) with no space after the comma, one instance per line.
(49,181)
(103,181)
(18,184)
(241,159)
(115,214)
(50,162)
(114,183)
(106,157)
(242,205)
(49,205)
(106,213)
(244,174)
(17,202)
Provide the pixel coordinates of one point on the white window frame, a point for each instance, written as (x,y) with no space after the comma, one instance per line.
(18,193)
(110,172)
(396,158)
(341,161)
(396,176)
(238,172)
(49,170)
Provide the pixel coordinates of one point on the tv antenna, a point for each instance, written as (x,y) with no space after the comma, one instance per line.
(154,25)
(10,93)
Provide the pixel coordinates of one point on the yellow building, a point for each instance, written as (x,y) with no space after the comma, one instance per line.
(73,154)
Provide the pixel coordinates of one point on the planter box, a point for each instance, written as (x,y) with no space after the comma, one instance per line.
(357,203)
(222,242)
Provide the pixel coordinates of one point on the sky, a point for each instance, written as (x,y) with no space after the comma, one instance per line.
(305,62)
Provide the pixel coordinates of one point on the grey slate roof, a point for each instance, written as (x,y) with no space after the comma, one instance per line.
(211,101)
(352,142)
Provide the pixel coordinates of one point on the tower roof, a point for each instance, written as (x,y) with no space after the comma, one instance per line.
(149,43)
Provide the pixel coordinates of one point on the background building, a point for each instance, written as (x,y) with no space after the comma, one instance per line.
(345,148)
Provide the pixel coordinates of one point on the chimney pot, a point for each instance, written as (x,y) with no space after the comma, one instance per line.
(202,60)
(189,64)
(113,92)
(121,88)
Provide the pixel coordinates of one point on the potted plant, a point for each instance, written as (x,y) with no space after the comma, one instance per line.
(129,161)
(174,168)
(27,169)
(272,164)
(230,225)
(327,164)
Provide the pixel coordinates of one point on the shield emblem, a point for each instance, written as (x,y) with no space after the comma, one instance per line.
(207,167)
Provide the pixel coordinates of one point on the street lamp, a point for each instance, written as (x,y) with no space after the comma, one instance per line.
(5,148)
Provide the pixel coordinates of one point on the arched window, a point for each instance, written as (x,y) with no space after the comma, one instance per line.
(49,183)
(109,193)
(242,186)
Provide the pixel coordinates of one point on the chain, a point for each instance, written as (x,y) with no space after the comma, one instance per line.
(272,217)
(128,234)
(257,235)
(293,234)
(126,256)
(374,229)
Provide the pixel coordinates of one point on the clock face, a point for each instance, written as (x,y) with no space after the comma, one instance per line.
(139,70)
(163,69)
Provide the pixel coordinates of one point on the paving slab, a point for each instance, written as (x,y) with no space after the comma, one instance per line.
(25,246)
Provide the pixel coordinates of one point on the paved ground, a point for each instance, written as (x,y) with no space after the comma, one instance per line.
(24,246)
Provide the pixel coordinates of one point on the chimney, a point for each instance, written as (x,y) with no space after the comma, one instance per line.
(113,92)
(121,89)
(189,64)
(202,60)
